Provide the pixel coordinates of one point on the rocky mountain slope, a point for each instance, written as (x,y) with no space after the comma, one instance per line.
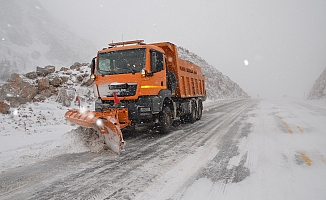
(45,83)
(218,86)
(318,91)
(30,37)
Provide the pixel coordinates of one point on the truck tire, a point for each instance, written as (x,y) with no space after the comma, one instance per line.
(199,110)
(165,120)
(193,114)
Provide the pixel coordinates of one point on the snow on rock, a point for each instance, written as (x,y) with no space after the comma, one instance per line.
(18,90)
(4,108)
(318,91)
(218,86)
(46,82)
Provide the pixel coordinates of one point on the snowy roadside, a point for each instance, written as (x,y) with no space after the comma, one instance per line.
(35,132)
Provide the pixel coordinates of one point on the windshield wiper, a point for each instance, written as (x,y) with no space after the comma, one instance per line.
(133,70)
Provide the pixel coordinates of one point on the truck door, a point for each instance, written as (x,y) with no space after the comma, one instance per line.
(157,68)
(157,62)
(155,80)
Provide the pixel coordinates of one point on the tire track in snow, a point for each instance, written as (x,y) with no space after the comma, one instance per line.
(237,173)
(217,169)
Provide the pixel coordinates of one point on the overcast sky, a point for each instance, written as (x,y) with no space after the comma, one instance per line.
(270,48)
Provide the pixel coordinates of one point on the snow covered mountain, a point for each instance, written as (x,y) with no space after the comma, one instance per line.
(318,91)
(218,86)
(30,37)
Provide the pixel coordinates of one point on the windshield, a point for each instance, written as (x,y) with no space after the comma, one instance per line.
(121,62)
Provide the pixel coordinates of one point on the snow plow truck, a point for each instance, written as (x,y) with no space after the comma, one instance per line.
(138,84)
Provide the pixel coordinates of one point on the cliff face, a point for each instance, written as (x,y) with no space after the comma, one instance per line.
(318,91)
(218,86)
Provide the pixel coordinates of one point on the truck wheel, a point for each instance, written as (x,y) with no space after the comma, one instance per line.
(176,123)
(199,110)
(193,114)
(165,120)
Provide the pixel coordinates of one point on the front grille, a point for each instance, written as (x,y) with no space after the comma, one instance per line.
(122,90)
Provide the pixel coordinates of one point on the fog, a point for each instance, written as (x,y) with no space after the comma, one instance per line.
(269,48)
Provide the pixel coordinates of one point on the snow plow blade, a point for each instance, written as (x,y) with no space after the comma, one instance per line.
(106,123)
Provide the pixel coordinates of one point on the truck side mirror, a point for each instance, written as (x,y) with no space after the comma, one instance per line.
(92,66)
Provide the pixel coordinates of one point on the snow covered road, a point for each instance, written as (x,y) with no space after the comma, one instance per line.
(241,149)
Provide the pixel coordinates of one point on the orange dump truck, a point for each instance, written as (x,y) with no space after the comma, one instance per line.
(138,84)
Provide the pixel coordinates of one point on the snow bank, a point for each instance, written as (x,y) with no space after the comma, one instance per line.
(38,131)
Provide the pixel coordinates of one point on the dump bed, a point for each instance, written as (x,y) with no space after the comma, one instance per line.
(191,81)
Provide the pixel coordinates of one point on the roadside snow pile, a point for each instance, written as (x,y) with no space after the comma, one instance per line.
(318,91)
(38,131)
(218,86)
(33,127)
(70,142)
(76,141)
